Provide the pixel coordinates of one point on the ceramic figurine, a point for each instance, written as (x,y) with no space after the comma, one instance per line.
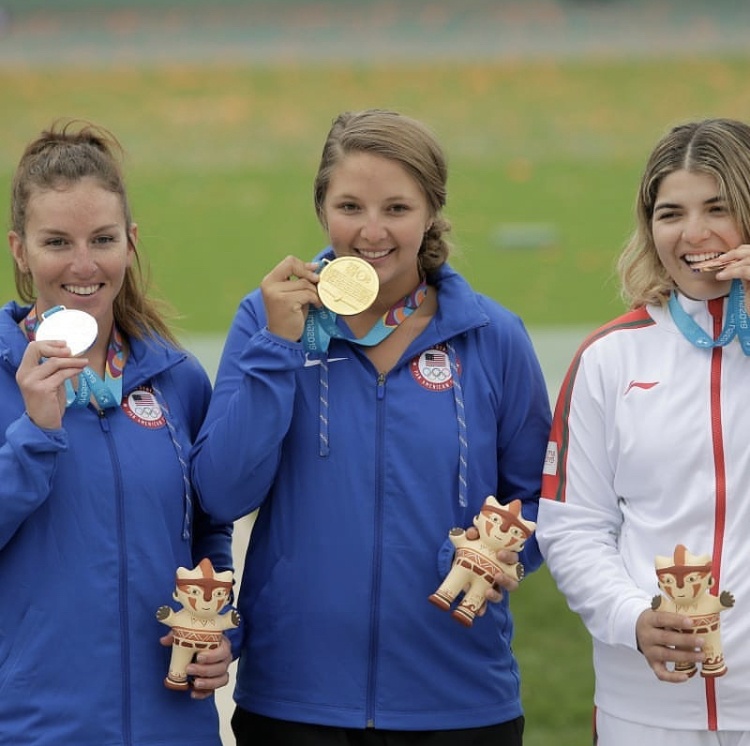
(203,593)
(475,562)
(685,579)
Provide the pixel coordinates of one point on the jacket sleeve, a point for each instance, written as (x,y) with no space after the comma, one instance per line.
(523,428)
(579,519)
(28,459)
(237,452)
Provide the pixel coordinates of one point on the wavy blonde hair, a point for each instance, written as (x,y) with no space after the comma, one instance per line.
(717,147)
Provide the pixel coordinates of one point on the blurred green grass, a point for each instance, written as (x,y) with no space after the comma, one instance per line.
(220,163)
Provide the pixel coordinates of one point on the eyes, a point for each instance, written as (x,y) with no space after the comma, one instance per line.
(102,241)
(353,208)
(196,591)
(675,212)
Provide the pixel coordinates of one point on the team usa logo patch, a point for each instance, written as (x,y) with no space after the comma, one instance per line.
(142,407)
(432,370)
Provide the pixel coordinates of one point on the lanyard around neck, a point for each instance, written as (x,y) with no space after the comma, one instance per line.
(736,323)
(106,392)
(321,326)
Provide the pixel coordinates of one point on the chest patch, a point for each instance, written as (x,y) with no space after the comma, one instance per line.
(142,407)
(432,371)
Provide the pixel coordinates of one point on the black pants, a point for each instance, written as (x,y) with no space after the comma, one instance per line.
(255,730)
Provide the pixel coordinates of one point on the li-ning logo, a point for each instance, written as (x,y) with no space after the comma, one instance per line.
(639,385)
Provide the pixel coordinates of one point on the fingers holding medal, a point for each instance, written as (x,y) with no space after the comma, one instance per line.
(346,286)
(288,290)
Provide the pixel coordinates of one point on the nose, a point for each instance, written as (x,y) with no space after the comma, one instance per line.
(373,228)
(695,229)
(84,264)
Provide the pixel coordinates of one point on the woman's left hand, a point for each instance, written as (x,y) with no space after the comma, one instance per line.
(502,582)
(210,669)
(738,268)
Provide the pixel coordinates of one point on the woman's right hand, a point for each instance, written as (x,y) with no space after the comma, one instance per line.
(288,290)
(664,637)
(44,368)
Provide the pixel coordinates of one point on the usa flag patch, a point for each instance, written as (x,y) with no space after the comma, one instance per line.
(142,407)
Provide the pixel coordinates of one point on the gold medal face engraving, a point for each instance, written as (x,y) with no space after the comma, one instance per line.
(77,329)
(348,285)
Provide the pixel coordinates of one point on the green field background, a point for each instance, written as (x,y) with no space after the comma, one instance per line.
(544,161)
(545,156)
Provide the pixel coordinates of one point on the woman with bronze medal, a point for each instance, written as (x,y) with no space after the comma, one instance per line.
(645,508)
(366,402)
(98,411)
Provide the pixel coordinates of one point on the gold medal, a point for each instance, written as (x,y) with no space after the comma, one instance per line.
(348,285)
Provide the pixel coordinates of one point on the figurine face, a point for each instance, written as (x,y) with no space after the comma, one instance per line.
(202,603)
(684,588)
(493,529)
(503,526)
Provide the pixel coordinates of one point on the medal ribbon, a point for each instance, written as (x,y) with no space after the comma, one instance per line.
(321,326)
(736,322)
(107,392)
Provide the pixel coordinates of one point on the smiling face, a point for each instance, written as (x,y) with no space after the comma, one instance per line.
(76,248)
(692,223)
(375,210)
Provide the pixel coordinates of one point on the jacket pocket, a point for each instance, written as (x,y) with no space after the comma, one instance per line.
(15,645)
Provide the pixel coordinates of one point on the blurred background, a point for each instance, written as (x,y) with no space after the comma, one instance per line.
(547,110)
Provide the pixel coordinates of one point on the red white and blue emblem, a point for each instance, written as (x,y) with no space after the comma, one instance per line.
(432,370)
(142,407)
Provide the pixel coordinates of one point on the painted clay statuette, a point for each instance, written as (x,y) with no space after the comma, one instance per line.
(685,579)
(475,562)
(203,593)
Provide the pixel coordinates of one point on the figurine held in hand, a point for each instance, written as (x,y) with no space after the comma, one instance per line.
(685,580)
(199,625)
(475,562)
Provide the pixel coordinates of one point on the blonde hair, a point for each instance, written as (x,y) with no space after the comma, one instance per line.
(718,147)
(60,157)
(406,141)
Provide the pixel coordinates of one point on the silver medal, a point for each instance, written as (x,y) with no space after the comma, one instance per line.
(77,329)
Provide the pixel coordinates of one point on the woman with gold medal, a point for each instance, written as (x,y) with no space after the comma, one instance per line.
(366,402)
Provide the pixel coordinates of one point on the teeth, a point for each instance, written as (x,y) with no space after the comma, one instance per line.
(692,258)
(81,289)
(373,254)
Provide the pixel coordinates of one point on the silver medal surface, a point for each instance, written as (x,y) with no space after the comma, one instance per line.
(77,329)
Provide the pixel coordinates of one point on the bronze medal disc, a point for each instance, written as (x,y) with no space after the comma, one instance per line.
(77,329)
(348,285)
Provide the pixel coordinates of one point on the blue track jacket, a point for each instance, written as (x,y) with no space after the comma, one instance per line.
(94,522)
(356,478)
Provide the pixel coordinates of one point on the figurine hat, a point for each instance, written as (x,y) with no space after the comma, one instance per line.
(682,558)
(511,514)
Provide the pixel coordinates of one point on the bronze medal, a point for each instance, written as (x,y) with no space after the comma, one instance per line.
(348,285)
(77,329)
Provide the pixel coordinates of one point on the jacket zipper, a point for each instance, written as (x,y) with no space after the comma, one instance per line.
(127,734)
(377,555)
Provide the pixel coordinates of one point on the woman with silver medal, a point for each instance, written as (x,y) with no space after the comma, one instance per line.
(98,411)
(328,418)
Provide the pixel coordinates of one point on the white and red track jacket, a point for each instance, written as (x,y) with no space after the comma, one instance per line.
(650,448)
